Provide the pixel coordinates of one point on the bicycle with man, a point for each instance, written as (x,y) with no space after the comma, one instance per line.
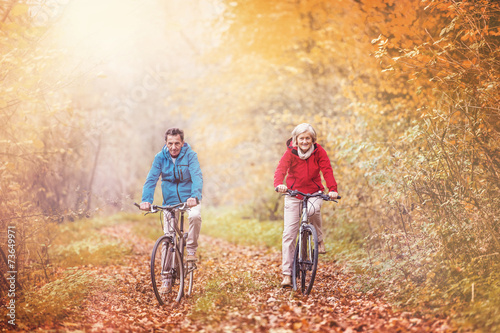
(169,267)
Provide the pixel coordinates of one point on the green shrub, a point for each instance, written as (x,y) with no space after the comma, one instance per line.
(86,242)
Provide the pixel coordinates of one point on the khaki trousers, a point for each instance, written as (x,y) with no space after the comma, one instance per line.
(293,212)
(194,218)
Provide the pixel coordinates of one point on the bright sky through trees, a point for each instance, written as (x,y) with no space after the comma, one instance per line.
(128,33)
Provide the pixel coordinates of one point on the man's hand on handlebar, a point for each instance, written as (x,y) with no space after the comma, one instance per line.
(191,202)
(145,206)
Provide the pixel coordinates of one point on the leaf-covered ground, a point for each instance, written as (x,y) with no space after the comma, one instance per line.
(237,290)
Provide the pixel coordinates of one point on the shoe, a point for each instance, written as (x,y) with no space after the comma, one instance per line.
(287,281)
(192,258)
(166,284)
(321,247)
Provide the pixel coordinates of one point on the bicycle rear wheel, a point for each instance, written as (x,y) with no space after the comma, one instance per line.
(305,261)
(189,275)
(167,271)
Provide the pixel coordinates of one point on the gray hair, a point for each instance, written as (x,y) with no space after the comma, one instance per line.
(302,128)
(173,132)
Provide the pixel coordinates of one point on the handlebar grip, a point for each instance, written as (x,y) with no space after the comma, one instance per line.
(136,204)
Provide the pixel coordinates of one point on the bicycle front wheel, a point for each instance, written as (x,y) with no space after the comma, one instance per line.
(167,271)
(305,261)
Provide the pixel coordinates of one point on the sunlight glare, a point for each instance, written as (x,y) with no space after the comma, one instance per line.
(98,29)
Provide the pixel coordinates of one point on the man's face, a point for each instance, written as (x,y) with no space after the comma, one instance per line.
(174,144)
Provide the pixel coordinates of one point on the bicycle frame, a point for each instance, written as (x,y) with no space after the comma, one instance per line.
(177,240)
(180,237)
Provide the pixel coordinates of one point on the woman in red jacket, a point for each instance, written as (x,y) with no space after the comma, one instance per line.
(301,164)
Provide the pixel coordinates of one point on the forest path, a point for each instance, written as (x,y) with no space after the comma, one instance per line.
(237,289)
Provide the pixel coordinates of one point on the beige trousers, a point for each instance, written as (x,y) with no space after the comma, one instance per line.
(293,212)
(194,218)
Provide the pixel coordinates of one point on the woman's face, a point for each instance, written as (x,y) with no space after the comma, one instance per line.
(304,141)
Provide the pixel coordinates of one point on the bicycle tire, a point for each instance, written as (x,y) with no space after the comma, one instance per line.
(168,284)
(189,270)
(305,264)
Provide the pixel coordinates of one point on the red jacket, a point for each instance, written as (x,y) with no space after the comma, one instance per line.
(303,175)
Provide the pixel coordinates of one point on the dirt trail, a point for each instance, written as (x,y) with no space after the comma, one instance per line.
(241,286)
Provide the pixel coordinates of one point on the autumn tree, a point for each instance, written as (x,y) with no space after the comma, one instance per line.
(451,164)
(404,94)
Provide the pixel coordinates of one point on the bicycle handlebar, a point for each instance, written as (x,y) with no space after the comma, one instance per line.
(323,196)
(156,208)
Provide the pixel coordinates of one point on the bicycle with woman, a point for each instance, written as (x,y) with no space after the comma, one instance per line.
(305,260)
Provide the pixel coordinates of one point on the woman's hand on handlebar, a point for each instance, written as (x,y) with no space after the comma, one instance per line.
(281,188)
(145,206)
(333,195)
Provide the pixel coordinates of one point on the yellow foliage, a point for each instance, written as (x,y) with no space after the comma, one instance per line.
(19,9)
(38,144)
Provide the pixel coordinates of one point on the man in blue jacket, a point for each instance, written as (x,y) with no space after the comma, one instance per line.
(181,181)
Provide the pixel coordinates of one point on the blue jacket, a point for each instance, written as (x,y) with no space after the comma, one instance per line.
(179,181)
